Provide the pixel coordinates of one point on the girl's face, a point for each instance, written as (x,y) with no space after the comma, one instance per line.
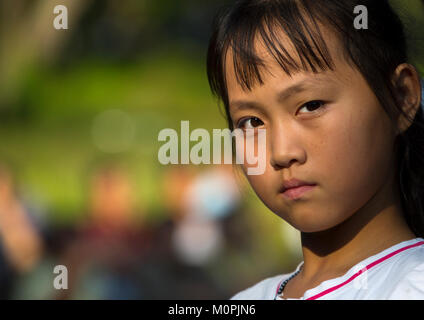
(328,129)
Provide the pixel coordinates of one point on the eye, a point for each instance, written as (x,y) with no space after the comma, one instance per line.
(311,106)
(249,123)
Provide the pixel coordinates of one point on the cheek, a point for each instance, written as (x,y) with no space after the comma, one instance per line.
(262,186)
(356,157)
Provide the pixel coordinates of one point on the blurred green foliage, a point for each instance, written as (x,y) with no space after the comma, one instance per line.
(53,145)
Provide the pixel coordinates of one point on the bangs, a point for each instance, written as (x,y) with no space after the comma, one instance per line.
(292,23)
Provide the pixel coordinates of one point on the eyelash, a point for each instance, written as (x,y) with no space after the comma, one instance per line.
(242,121)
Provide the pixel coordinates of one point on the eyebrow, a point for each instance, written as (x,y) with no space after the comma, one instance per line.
(281,96)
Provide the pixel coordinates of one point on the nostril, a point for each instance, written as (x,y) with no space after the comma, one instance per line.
(278,165)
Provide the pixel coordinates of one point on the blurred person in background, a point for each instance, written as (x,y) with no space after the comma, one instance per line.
(190,244)
(104,258)
(21,245)
(212,197)
(189,238)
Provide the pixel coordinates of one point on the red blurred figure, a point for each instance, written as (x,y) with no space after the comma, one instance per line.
(111,242)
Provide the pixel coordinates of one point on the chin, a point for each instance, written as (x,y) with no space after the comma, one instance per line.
(309,221)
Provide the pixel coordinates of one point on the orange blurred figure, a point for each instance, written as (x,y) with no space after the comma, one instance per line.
(22,244)
(111,202)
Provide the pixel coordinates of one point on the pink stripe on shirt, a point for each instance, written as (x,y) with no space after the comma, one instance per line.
(373,264)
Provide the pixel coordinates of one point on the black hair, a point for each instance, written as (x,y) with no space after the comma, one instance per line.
(375,52)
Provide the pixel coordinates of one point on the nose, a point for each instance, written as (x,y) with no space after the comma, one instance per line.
(285,147)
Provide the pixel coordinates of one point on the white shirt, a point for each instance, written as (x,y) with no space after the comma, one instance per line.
(394,273)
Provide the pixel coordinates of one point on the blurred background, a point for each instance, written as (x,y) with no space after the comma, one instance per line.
(80,182)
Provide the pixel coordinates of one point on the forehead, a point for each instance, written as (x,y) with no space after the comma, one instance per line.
(271,70)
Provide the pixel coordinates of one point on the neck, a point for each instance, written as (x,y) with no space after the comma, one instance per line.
(376,226)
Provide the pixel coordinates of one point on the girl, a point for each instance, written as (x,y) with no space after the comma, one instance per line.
(345,140)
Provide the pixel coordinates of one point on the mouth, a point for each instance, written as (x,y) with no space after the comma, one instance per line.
(295,189)
(296,193)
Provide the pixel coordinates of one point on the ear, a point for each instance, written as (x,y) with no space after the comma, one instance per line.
(406,82)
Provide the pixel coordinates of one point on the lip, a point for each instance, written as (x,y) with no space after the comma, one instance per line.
(294,189)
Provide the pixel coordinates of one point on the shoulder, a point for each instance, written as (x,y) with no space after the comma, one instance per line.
(409,275)
(263,290)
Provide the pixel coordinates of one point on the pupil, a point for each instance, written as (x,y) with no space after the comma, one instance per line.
(313,105)
(255,122)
